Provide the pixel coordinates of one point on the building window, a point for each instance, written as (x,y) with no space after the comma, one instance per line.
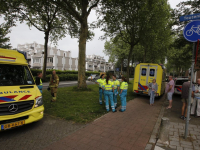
(90,66)
(49,60)
(102,67)
(109,67)
(36,60)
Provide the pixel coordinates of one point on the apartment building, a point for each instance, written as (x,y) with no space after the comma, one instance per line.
(98,63)
(61,60)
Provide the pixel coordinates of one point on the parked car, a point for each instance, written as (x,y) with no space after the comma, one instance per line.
(94,77)
(178,85)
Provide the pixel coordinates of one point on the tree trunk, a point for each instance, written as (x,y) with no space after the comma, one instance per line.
(82,55)
(46,39)
(129,58)
(121,66)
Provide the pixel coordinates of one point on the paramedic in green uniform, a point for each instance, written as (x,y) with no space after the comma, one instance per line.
(123,93)
(116,84)
(108,88)
(100,83)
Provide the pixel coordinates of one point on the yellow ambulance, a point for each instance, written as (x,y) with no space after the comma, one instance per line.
(20,99)
(144,74)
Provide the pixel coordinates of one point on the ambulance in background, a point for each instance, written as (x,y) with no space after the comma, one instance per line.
(20,99)
(144,74)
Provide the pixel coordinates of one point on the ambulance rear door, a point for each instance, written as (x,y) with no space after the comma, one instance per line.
(147,74)
(143,78)
(152,73)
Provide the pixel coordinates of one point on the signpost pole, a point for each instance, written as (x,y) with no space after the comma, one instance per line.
(190,93)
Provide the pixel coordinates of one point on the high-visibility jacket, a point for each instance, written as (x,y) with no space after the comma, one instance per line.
(108,86)
(124,86)
(37,82)
(116,84)
(54,82)
(100,81)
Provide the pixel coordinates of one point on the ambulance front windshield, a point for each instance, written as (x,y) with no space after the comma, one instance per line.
(13,75)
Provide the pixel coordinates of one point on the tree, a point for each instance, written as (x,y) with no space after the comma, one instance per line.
(129,20)
(79,10)
(4,30)
(117,50)
(180,54)
(43,15)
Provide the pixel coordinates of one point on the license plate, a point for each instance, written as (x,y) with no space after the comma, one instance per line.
(145,92)
(12,125)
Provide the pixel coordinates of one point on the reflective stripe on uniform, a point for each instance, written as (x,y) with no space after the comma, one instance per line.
(40,81)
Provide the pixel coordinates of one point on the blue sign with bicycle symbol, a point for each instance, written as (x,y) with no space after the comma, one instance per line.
(191,31)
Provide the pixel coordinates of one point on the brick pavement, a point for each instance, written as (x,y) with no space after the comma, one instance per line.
(128,130)
(177,129)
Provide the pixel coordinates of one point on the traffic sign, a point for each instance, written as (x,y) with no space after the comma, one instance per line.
(117,69)
(191,31)
(189,17)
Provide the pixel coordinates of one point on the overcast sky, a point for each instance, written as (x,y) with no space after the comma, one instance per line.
(22,34)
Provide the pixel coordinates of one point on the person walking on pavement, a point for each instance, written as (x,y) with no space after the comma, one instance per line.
(54,81)
(100,82)
(184,96)
(38,81)
(169,90)
(123,94)
(153,87)
(108,88)
(116,84)
(196,102)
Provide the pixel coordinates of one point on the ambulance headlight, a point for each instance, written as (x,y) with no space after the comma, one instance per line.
(39,101)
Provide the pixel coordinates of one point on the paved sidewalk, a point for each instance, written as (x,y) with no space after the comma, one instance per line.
(177,129)
(128,130)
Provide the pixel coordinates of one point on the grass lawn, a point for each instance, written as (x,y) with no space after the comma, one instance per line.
(78,106)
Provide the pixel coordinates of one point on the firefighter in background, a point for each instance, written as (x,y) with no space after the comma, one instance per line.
(108,88)
(38,81)
(116,84)
(100,83)
(123,94)
(54,81)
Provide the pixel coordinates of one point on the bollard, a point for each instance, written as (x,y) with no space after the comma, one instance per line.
(164,130)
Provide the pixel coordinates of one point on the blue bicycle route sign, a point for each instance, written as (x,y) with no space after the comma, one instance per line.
(189,17)
(117,69)
(191,31)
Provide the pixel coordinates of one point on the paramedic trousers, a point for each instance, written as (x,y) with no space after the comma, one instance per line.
(40,88)
(109,95)
(115,97)
(196,106)
(54,93)
(152,97)
(123,100)
(100,95)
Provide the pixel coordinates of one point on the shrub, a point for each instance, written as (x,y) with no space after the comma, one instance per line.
(63,77)
(49,72)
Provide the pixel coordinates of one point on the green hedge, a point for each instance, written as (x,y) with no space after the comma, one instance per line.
(59,72)
(63,77)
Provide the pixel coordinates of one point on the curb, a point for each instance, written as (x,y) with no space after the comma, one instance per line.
(154,135)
